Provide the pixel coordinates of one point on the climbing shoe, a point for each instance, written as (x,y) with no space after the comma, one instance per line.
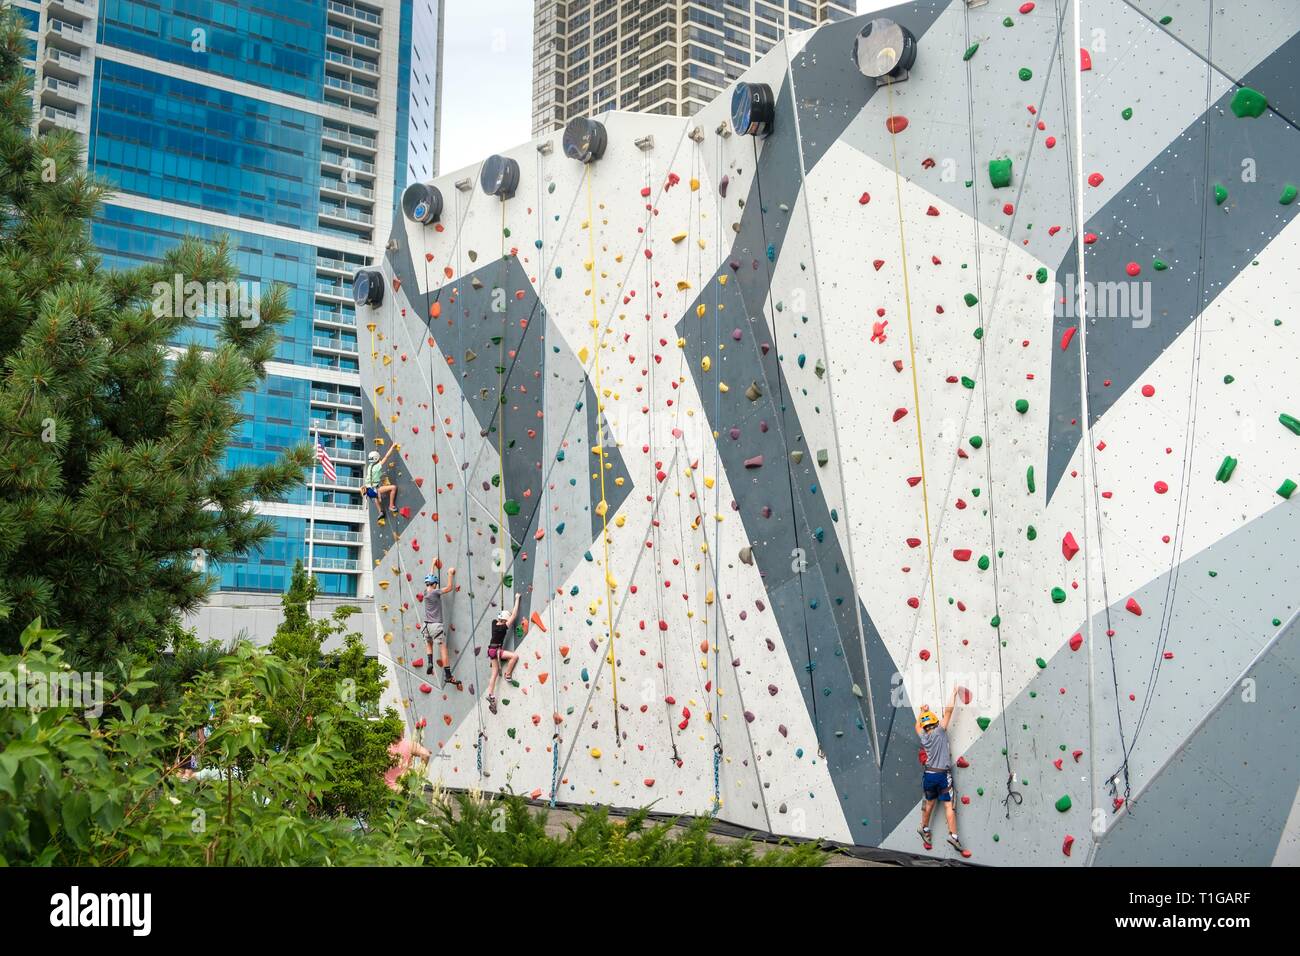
(492,704)
(429,668)
(926,837)
(956,844)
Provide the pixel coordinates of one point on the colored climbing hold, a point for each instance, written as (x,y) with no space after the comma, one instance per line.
(1076,642)
(1067,844)
(1025,73)
(1159,265)
(970,51)
(896,124)
(1132,606)
(1248,102)
(1226,468)
(1096,179)
(1126,113)
(1290,422)
(1064,803)
(1041,274)
(1000,172)
(1029,479)
(970,299)
(976,441)
(1220,194)
(1031,533)
(1069,547)
(983,722)
(1287,488)
(1022,405)
(1288,195)
(1058,595)
(1085,59)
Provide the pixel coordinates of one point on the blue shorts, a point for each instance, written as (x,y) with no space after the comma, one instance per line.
(937,786)
(370,492)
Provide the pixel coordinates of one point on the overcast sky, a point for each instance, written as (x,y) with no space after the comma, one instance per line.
(487,79)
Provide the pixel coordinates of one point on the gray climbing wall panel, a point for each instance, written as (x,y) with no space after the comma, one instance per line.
(779,439)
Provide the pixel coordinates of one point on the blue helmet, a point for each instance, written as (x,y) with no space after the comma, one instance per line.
(431,579)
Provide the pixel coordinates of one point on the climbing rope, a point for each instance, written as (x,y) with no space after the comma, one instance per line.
(916,396)
(550,572)
(604,435)
(769,253)
(507,539)
(1012,795)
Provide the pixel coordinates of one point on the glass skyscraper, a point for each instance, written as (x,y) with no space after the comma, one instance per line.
(291,126)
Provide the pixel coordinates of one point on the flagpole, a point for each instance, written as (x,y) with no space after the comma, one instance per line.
(311,514)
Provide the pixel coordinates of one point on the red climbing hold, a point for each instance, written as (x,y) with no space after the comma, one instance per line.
(1050,142)
(1058,763)
(931,211)
(1076,642)
(1069,547)
(896,124)
(1133,607)
(1161,487)
(426,689)
(878,263)
(925,655)
(1067,337)
(962,761)
(1148,391)
(913,542)
(1026,9)
(1095,179)
(962,554)
(1067,844)
(1085,59)
(964,695)
(1133,269)
(1076,754)
(913,603)
(899,413)
(864,199)
(913,481)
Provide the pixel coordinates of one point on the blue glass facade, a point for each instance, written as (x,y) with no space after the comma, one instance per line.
(266,121)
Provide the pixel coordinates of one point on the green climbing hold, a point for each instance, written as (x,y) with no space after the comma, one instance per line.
(996,620)
(1064,803)
(1008,22)
(1165,21)
(970,51)
(1290,422)
(1041,274)
(967,382)
(1220,194)
(976,441)
(984,722)
(559,272)
(980,791)
(978,333)
(996,838)
(1022,405)
(1226,468)
(1000,172)
(1025,73)
(1042,664)
(1031,533)
(1228,380)
(1029,480)
(1288,195)
(1126,112)
(1287,489)
(510,507)
(1277,622)
(1248,102)
(983,562)
(1058,595)
(970,298)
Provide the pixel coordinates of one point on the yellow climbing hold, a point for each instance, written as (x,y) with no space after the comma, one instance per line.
(602,508)
(678,236)
(583,355)
(595,753)
(695,184)
(700,310)
(682,285)
(706,363)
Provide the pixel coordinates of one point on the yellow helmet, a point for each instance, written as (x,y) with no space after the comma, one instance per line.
(928,720)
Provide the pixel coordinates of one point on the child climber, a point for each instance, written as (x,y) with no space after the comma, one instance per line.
(377,483)
(497,652)
(936,783)
(433,625)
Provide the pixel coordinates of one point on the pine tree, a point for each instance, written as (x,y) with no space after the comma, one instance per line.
(115,501)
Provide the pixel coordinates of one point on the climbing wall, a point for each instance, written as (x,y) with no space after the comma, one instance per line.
(778,439)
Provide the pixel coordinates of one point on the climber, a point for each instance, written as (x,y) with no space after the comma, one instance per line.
(937,779)
(405,751)
(377,483)
(433,626)
(497,652)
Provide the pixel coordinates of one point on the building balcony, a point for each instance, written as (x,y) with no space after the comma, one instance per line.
(347,214)
(347,162)
(340,481)
(338,290)
(348,10)
(346,136)
(335,319)
(335,398)
(334,345)
(347,86)
(334,537)
(67,34)
(360,190)
(62,93)
(64,64)
(347,36)
(337,426)
(352,62)
(52,116)
(347,456)
(344,565)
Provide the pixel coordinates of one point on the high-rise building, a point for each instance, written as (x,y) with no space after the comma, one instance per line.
(655,56)
(292,127)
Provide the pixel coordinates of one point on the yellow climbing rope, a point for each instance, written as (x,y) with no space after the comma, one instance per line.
(601,433)
(916,392)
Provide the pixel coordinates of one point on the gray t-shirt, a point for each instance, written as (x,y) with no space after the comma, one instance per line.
(938,754)
(433,607)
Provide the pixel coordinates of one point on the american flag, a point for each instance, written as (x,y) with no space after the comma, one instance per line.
(326,464)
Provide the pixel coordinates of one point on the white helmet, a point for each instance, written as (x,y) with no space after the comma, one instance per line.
(373,456)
